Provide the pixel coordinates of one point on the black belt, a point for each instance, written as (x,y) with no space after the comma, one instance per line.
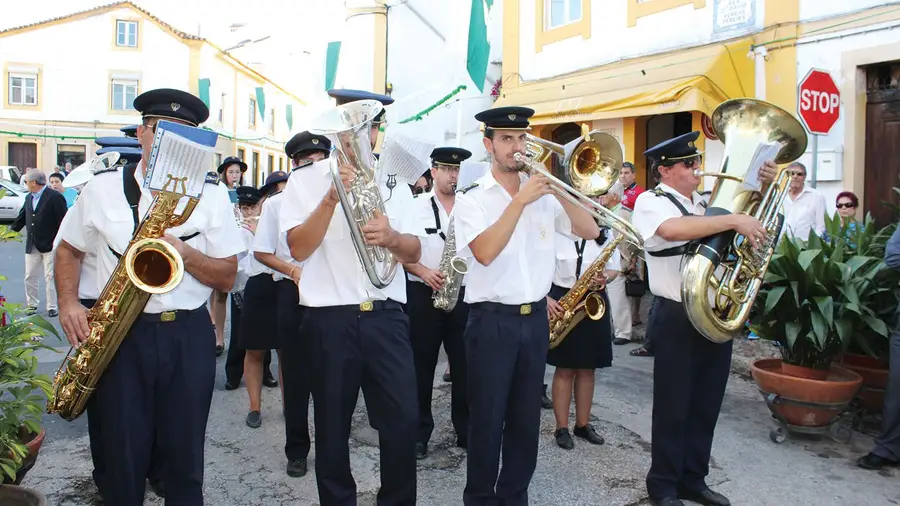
(168,316)
(517,309)
(365,307)
(88,303)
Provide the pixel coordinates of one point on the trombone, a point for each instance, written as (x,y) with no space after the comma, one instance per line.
(591,164)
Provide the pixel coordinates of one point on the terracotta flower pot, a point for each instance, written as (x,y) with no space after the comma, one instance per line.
(34,446)
(875,374)
(12,495)
(833,393)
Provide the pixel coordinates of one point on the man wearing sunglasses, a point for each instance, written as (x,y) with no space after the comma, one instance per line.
(804,209)
(689,371)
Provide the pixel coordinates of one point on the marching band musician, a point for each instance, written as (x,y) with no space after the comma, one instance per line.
(588,346)
(358,335)
(429,326)
(160,381)
(690,372)
(270,248)
(507,222)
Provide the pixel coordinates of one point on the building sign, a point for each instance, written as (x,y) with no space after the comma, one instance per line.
(732,15)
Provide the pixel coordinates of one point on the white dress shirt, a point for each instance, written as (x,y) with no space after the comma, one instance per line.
(104,218)
(567,259)
(244,267)
(650,211)
(432,244)
(523,271)
(805,213)
(268,237)
(88,287)
(333,274)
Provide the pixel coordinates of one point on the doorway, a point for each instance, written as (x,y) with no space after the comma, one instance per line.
(562,135)
(881,173)
(663,127)
(23,155)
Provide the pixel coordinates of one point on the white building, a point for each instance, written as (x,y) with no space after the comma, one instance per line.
(71,79)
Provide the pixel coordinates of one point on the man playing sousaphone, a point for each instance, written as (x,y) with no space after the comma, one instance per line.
(159,383)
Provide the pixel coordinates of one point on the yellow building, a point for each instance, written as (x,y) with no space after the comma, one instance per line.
(647,70)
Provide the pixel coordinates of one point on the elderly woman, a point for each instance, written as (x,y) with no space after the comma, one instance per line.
(847,203)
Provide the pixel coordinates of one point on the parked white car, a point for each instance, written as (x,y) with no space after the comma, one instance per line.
(10,173)
(12,202)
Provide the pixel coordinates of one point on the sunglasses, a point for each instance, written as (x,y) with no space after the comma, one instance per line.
(798,173)
(846,205)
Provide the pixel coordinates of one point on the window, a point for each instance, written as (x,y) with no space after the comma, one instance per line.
(562,12)
(280,163)
(255,168)
(71,153)
(123,93)
(126,33)
(241,154)
(23,89)
(271,123)
(218,159)
(222,109)
(271,167)
(251,114)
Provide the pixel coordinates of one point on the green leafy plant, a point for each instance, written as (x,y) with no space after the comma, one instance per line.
(22,389)
(817,297)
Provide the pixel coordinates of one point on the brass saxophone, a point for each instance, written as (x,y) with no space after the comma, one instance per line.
(149,266)
(453,268)
(581,300)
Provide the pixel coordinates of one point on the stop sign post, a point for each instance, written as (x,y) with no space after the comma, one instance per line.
(819,107)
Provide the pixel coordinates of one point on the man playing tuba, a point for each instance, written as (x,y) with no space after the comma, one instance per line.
(160,382)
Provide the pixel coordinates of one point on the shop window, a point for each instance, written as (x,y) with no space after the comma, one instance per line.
(557,20)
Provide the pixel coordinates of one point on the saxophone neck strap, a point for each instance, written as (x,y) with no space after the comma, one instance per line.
(579,248)
(437,220)
(676,250)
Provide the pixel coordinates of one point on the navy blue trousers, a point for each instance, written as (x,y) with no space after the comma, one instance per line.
(158,386)
(294,371)
(431,327)
(506,354)
(349,350)
(689,377)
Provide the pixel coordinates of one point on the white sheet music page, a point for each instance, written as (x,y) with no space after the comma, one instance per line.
(404,157)
(765,152)
(178,164)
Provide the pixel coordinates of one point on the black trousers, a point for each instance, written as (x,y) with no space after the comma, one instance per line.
(689,377)
(234,361)
(506,353)
(294,371)
(430,327)
(350,349)
(158,386)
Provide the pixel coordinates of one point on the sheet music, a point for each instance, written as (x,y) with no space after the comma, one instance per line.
(404,157)
(471,171)
(765,152)
(178,162)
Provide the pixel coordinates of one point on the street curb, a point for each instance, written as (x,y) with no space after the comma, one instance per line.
(740,365)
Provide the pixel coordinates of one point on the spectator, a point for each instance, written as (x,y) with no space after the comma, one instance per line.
(620,305)
(56,180)
(631,189)
(634,268)
(847,203)
(68,169)
(805,207)
(42,214)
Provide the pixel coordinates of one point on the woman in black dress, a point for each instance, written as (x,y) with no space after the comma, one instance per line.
(587,347)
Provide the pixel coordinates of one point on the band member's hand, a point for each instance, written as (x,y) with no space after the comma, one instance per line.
(751,228)
(295,274)
(600,281)
(347,176)
(378,231)
(176,243)
(767,172)
(536,187)
(554,310)
(432,278)
(73,319)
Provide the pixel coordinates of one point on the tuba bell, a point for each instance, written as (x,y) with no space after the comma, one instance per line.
(349,127)
(722,274)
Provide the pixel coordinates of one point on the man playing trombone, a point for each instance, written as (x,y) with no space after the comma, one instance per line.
(507,223)
(358,334)
(689,372)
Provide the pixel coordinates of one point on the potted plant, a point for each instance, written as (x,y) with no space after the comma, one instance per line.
(809,306)
(22,394)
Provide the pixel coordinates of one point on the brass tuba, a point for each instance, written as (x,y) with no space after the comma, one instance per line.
(348,127)
(149,266)
(722,274)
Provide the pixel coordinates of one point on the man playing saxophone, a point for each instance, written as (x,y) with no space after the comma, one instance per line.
(689,372)
(431,326)
(357,334)
(506,225)
(160,381)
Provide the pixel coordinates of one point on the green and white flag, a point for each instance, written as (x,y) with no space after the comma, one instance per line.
(479,47)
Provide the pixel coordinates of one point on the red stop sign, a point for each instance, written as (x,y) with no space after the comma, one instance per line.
(819,102)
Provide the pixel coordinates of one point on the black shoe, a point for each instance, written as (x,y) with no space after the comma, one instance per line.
(157,486)
(421,450)
(254,419)
(587,432)
(232,385)
(462,443)
(874,462)
(546,403)
(706,498)
(447,378)
(666,501)
(296,468)
(220,348)
(621,340)
(270,381)
(53,313)
(564,439)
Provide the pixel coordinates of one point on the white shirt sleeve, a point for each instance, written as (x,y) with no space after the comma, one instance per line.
(223,236)
(647,216)
(470,220)
(77,228)
(266,238)
(561,220)
(298,201)
(819,221)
